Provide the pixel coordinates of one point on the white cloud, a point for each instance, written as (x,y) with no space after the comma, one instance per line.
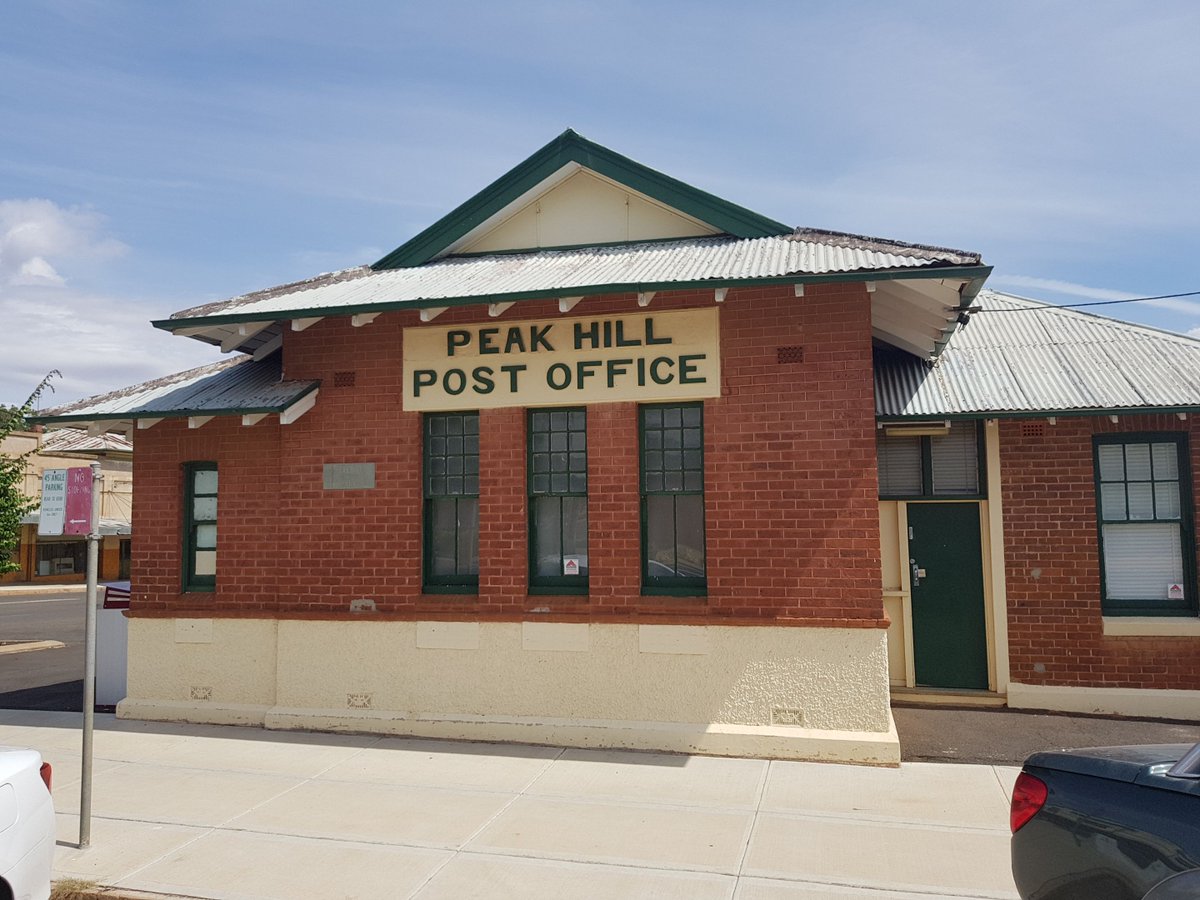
(37,271)
(1057,286)
(37,236)
(98,343)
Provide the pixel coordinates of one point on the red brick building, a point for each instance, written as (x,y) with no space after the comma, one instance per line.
(601,459)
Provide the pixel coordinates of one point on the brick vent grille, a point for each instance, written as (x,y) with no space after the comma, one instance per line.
(343,379)
(784,355)
(1033,429)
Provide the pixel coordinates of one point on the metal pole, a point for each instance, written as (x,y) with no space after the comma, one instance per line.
(89,662)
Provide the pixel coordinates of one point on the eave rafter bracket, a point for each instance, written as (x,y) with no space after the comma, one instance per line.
(299,408)
(644,298)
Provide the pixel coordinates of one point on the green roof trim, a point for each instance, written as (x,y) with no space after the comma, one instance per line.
(974,273)
(571,147)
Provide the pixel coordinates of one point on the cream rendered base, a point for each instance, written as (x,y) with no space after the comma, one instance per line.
(794,693)
(1139,702)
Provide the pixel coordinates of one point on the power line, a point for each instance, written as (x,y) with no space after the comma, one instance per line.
(975,310)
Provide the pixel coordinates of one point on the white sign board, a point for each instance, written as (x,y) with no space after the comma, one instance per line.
(54,502)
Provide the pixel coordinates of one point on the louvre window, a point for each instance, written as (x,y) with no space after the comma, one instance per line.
(915,468)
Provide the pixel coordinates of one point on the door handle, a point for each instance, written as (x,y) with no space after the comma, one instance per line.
(917,573)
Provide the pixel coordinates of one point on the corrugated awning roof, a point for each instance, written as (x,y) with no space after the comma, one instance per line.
(241,386)
(1022,357)
(74,442)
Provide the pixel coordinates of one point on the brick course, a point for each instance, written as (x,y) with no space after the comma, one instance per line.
(791,497)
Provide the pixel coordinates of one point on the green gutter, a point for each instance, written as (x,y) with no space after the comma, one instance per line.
(968,273)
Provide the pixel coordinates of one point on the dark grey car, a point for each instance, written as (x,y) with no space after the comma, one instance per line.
(1109,823)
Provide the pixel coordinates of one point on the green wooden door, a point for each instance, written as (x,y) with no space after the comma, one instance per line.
(949,631)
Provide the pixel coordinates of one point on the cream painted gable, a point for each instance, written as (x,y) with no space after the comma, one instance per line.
(585,209)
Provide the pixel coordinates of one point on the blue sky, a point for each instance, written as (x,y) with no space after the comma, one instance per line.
(154,156)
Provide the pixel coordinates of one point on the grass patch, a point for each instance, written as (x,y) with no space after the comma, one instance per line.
(73,889)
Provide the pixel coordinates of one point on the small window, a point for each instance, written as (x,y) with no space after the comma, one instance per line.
(200,527)
(558,487)
(672,473)
(451,484)
(1144,502)
(949,465)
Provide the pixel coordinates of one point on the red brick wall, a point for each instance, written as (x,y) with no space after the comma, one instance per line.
(790,491)
(1053,563)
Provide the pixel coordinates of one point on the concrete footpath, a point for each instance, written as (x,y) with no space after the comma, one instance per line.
(226,812)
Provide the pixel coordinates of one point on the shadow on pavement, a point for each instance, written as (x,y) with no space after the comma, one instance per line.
(66,696)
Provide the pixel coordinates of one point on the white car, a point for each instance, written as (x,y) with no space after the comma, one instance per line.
(26,825)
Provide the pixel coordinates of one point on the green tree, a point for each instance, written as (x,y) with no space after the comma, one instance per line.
(13,502)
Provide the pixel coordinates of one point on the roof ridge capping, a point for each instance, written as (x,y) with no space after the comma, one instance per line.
(572,147)
(864,242)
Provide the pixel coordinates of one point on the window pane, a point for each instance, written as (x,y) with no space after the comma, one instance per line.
(1112,502)
(547,523)
(899,465)
(468,536)
(206,562)
(1141,561)
(1112,462)
(955,459)
(1141,501)
(1137,462)
(574,530)
(206,537)
(204,481)
(660,535)
(1166,499)
(1166,462)
(689,519)
(443,529)
(204,508)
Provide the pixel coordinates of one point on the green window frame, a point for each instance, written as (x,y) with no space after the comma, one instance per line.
(200,526)
(450,476)
(933,466)
(1144,517)
(558,497)
(671,438)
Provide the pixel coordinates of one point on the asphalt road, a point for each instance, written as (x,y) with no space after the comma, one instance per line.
(42,679)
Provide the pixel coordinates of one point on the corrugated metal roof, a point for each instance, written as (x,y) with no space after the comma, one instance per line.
(227,387)
(1021,356)
(583,270)
(75,441)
